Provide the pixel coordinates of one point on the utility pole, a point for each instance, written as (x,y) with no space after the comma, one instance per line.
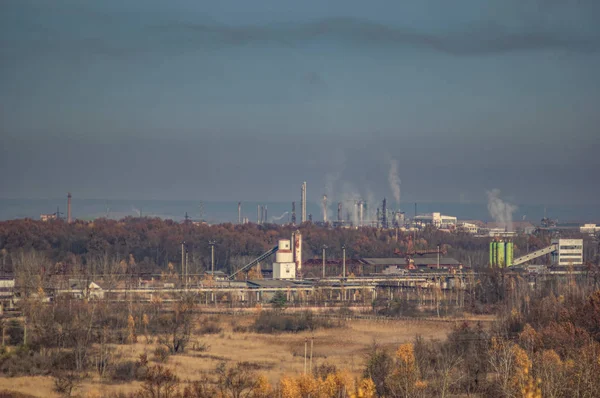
(344,261)
(438,257)
(312,340)
(324,248)
(183,260)
(212,267)
(186,268)
(305,352)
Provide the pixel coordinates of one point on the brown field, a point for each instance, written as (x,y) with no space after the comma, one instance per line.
(274,354)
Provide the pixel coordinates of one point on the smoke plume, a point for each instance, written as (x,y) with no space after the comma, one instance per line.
(394,181)
(500,210)
(273,219)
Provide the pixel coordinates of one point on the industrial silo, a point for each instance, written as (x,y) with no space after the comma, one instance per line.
(500,254)
(509,253)
(491,253)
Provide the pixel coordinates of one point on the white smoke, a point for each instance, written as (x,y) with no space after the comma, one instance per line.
(279,218)
(500,210)
(394,181)
(136,211)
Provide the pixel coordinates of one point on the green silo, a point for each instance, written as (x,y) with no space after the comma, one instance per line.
(495,254)
(509,253)
(500,251)
(491,253)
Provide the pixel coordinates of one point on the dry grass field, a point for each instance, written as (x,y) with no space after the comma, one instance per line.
(273,354)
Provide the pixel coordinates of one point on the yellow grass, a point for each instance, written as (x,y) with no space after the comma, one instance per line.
(276,354)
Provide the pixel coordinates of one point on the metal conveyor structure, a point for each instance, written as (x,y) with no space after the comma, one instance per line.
(535,254)
(254,262)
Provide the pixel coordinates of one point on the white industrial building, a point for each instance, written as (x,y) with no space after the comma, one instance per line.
(589,229)
(284,266)
(468,227)
(438,220)
(570,251)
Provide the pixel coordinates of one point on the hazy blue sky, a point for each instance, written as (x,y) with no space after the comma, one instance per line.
(244,100)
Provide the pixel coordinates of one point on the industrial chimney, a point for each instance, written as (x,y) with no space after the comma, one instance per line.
(360,214)
(325,208)
(384,220)
(239,212)
(69,219)
(339,212)
(303,202)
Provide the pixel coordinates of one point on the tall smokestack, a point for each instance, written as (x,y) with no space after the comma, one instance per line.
(384,220)
(339,213)
(265,215)
(325,208)
(69,219)
(360,214)
(293,213)
(303,202)
(258,214)
(239,212)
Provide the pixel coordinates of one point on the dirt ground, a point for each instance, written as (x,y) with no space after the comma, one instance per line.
(274,354)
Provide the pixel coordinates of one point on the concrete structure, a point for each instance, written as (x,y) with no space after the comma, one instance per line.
(570,252)
(589,229)
(284,266)
(438,220)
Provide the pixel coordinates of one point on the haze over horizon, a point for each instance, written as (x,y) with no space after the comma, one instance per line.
(237,100)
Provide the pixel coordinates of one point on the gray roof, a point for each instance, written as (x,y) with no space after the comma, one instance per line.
(423,261)
(433,260)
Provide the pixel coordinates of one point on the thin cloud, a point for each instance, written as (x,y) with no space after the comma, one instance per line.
(481,39)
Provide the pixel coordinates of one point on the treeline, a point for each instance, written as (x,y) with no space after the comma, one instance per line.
(153,243)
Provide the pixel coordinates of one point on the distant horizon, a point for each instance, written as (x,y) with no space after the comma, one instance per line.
(388,198)
(278,211)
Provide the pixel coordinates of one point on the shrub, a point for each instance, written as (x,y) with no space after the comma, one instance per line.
(161,354)
(66,382)
(271,322)
(210,328)
(124,371)
(25,362)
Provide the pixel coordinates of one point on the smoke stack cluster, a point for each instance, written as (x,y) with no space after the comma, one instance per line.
(261,214)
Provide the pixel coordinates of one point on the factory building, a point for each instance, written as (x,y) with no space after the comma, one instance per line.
(589,229)
(468,228)
(284,266)
(438,220)
(570,251)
